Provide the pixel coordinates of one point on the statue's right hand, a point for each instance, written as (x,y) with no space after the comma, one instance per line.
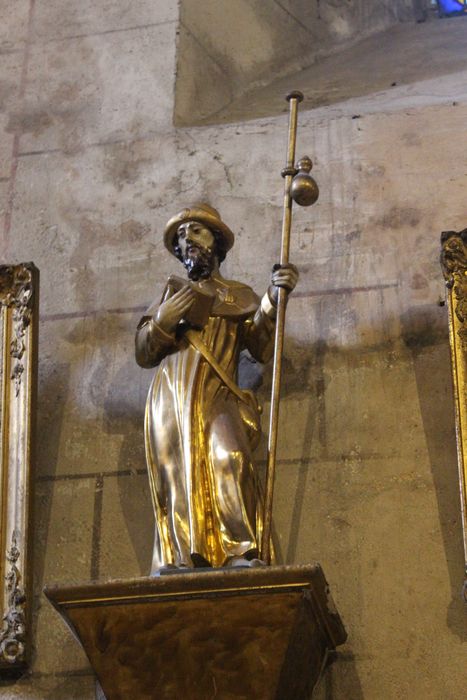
(171,311)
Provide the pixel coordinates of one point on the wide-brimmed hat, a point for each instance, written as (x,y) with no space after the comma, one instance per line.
(204,214)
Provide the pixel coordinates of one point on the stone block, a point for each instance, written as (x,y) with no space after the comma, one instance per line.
(341,22)
(126,538)
(55,20)
(64,512)
(9,102)
(347,270)
(382,416)
(395,521)
(194,65)
(253,44)
(62,549)
(381,404)
(13,27)
(360,677)
(388,532)
(56,652)
(107,253)
(4,189)
(98,88)
(354,321)
(6,153)
(85,426)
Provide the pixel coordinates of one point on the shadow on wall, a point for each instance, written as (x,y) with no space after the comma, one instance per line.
(302,371)
(432,367)
(52,396)
(315,420)
(341,680)
(124,415)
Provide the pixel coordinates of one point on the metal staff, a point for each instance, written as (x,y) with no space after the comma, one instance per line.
(300,187)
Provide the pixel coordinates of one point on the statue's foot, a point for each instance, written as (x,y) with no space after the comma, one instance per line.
(241,561)
(171,569)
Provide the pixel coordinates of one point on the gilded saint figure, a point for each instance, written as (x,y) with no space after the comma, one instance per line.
(200,428)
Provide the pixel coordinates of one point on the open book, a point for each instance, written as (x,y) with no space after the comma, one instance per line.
(200,310)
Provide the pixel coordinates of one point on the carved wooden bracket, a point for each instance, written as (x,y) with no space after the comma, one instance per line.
(454,265)
(19,292)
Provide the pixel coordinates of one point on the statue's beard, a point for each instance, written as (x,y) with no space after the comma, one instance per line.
(198,262)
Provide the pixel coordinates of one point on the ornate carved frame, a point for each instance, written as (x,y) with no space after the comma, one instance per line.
(454,264)
(19,291)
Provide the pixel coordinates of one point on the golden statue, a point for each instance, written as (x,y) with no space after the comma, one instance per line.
(200,427)
(200,430)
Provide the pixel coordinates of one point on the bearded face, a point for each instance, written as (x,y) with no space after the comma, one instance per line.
(196,248)
(198,261)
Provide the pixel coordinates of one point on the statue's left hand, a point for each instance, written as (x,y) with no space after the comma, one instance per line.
(285,276)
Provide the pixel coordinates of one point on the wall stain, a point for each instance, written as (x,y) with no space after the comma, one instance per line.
(353,236)
(66,91)
(423,326)
(123,163)
(6,89)
(411,138)
(34,122)
(400,217)
(418,281)
(134,231)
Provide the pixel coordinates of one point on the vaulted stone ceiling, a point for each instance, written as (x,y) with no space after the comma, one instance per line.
(236,63)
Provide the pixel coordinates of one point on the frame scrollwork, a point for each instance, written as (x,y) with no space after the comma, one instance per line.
(454,265)
(19,291)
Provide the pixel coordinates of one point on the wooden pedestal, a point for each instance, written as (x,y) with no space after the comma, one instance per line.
(230,634)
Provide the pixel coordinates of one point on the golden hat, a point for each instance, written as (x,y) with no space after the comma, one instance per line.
(204,214)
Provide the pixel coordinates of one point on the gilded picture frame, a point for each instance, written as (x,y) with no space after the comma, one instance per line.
(19,292)
(454,265)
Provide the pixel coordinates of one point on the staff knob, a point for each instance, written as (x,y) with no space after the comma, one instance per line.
(295,95)
(304,189)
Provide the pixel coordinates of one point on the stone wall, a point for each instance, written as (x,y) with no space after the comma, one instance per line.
(91,169)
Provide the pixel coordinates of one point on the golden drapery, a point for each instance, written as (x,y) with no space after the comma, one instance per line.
(199,436)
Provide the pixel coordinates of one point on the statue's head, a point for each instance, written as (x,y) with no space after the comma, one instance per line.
(199,238)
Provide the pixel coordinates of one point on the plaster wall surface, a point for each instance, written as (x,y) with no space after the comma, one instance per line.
(91,169)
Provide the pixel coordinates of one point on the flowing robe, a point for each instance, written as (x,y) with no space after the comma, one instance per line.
(199,435)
